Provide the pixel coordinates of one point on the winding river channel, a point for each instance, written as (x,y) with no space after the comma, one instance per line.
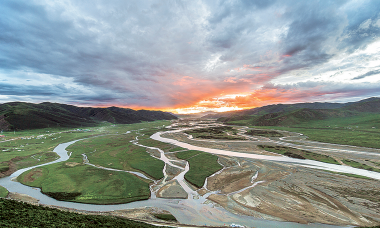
(195,209)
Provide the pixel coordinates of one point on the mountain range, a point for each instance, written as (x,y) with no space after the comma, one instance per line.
(290,114)
(22,116)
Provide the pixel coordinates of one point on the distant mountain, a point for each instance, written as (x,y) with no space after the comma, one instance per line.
(20,115)
(290,114)
(277,108)
(368,105)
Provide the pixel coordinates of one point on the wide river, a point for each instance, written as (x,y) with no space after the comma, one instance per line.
(187,211)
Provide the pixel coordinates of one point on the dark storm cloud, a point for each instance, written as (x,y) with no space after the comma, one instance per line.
(370,73)
(22,90)
(145,52)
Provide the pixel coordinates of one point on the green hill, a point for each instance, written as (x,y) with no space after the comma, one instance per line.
(22,116)
(294,114)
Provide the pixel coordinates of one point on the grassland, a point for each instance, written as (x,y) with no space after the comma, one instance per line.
(74,181)
(224,132)
(18,214)
(3,192)
(300,154)
(359,165)
(34,147)
(202,165)
(264,133)
(166,217)
(116,151)
(361,130)
(86,184)
(27,148)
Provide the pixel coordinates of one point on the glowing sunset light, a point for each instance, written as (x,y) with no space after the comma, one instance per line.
(189,56)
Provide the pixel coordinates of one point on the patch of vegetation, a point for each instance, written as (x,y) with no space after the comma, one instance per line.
(154,143)
(19,214)
(33,147)
(300,154)
(360,130)
(202,165)
(86,184)
(264,133)
(351,175)
(4,167)
(63,196)
(185,155)
(359,165)
(223,132)
(3,192)
(166,217)
(116,151)
(177,149)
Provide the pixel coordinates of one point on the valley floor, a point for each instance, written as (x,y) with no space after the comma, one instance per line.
(265,177)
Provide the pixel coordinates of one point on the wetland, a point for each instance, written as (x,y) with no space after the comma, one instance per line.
(203,173)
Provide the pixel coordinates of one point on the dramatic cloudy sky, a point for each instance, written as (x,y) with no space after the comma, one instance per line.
(193,54)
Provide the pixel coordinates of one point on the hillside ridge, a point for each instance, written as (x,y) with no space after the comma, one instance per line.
(22,115)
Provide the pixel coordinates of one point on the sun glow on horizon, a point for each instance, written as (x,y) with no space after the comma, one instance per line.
(218,104)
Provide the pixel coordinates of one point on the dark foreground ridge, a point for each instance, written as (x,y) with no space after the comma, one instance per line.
(19,214)
(23,116)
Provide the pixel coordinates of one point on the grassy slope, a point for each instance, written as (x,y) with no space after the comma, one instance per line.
(3,192)
(18,214)
(96,185)
(21,115)
(201,165)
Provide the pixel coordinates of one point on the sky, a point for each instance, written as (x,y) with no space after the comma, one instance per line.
(189,56)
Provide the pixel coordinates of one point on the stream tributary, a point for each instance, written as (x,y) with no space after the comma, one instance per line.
(194,210)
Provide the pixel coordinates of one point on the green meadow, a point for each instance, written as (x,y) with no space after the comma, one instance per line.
(3,192)
(116,151)
(361,130)
(33,147)
(86,184)
(75,181)
(202,165)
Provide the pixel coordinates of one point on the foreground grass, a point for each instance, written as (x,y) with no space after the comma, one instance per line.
(300,154)
(3,192)
(86,184)
(116,151)
(18,214)
(202,165)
